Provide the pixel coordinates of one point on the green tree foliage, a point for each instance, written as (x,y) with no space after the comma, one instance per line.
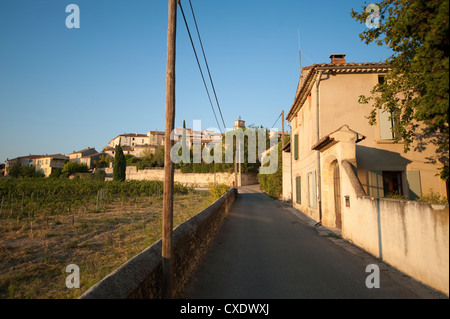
(103,161)
(23,171)
(120,165)
(272,184)
(416,90)
(217,190)
(71,168)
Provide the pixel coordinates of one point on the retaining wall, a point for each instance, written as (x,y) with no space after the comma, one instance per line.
(189,179)
(141,277)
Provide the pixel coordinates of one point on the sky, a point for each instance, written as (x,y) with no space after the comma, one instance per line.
(65,89)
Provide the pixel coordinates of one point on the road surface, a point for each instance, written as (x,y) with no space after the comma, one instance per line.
(269,250)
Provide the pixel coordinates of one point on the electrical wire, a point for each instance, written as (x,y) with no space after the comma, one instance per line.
(198,63)
(206,62)
(276,120)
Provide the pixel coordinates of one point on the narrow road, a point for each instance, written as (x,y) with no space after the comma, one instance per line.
(268,250)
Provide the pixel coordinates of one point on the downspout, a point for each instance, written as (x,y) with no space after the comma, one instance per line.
(319,175)
(292,189)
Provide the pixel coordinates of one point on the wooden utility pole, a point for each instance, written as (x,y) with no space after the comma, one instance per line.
(282,129)
(167,222)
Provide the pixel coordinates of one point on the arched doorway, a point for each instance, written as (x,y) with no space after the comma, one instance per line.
(337,193)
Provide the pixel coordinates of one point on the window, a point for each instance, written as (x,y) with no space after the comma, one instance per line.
(385,183)
(296,146)
(298,185)
(386,123)
(392,183)
(380,79)
(375,180)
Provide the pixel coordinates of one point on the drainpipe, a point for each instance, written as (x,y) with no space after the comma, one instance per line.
(291,177)
(319,175)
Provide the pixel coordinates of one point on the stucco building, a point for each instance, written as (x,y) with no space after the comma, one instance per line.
(329,126)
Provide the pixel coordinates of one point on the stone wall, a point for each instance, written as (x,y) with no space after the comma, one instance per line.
(411,236)
(189,179)
(141,277)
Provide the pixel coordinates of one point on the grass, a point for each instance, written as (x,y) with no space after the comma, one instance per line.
(35,249)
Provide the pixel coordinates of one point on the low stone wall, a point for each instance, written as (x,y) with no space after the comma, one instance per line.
(189,179)
(141,277)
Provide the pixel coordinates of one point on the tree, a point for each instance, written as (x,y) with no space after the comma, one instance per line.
(120,164)
(71,168)
(416,90)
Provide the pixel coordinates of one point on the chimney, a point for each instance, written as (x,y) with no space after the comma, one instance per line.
(337,58)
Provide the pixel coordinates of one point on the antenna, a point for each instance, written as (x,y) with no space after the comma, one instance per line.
(299,50)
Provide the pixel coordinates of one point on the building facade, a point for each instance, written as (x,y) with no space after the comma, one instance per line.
(329,126)
(47,163)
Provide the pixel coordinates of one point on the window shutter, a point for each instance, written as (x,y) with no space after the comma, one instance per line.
(296,146)
(376,184)
(414,185)
(298,184)
(385,124)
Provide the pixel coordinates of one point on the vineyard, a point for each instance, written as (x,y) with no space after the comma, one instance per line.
(47,224)
(37,197)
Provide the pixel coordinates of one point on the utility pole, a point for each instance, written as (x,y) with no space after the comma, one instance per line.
(168,165)
(282,129)
(240,166)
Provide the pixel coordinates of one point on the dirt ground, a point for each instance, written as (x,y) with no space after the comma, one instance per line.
(34,253)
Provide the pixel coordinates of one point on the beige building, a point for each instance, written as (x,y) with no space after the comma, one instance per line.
(329,126)
(111,151)
(131,140)
(156,138)
(77,156)
(29,161)
(47,163)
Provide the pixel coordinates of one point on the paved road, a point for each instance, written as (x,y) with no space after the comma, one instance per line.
(268,250)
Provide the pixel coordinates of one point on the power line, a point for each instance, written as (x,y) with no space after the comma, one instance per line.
(198,63)
(206,62)
(276,120)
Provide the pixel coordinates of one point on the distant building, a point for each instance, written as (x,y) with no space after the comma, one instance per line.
(29,161)
(112,150)
(156,138)
(239,124)
(77,156)
(130,140)
(42,163)
(47,163)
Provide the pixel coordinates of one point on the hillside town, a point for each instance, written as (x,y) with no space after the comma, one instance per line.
(133,144)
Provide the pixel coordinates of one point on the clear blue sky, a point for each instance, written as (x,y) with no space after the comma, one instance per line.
(67,89)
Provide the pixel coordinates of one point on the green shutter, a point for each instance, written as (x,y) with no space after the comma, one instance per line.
(296,146)
(414,185)
(298,184)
